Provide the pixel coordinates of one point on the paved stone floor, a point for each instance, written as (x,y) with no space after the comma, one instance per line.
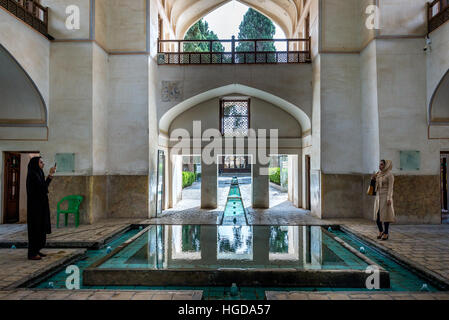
(82,237)
(423,246)
(188,211)
(16,269)
(24,294)
(354,295)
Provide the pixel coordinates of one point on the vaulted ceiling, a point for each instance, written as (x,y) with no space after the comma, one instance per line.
(184,13)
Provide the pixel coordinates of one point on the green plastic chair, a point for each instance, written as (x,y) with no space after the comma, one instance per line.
(74,203)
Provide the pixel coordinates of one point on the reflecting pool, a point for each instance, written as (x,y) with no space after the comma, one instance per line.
(234,246)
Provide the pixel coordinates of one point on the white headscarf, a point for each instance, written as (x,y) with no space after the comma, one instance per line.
(382,174)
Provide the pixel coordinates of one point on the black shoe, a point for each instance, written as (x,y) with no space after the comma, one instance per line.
(36,257)
(42,254)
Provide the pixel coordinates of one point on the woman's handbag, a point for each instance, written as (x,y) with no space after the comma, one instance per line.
(372,188)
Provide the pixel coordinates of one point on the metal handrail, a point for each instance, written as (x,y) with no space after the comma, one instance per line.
(29,11)
(172,52)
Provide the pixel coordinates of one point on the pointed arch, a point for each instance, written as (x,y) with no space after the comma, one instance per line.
(22,102)
(293,110)
(185,13)
(438,107)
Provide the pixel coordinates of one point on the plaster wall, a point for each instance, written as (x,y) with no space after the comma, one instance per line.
(128,115)
(340,113)
(292,83)
(402,103)
(58,17)
(71,99)
(403,17)
(100,99)
(263,115)
(339,23)
(101,22)
(370,109)
(126,25)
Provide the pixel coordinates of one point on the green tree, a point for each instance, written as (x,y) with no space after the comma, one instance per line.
(256,26)
(200,31)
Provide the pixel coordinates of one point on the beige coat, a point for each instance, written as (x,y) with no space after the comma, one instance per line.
(384,192)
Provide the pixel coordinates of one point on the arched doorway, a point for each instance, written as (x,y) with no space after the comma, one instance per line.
(267,112)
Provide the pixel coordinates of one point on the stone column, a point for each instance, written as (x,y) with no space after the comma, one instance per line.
(260,187)
(209,185)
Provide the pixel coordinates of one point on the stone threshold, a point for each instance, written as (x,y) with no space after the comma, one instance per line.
(433,277)
(46,271)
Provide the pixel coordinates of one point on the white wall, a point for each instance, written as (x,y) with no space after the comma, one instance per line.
(370,109)
(292,83)
(263,115)
(128,115)
(340,114)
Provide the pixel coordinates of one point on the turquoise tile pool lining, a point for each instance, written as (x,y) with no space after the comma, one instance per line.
(401,278)
(236,247)
(234,212)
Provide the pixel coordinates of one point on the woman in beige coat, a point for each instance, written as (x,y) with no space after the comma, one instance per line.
(383,205)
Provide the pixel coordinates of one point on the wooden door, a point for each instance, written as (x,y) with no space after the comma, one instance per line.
(12,187)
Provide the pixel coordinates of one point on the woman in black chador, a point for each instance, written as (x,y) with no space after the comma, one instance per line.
(38,214)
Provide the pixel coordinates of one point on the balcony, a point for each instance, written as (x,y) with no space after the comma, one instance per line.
(438,13)
(233,51)
(30,12)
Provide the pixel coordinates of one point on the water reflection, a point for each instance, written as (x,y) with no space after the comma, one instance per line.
(214,247)
(186,242)
(235,242)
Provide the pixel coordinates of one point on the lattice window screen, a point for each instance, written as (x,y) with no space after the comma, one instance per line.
(235,118)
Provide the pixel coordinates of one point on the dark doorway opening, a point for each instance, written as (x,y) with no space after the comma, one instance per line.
(12,187)
(444,160)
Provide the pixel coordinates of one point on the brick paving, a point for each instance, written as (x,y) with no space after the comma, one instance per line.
(348,295)
(82,237)
(15,268)
(26,294)
(423,246)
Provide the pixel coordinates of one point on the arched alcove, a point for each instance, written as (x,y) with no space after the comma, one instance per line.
(22,103)
(439,104)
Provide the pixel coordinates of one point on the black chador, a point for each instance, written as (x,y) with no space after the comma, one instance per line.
(38,215)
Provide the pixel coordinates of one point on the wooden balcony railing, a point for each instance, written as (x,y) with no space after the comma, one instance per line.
(258,51)
(30,12)
(438,13)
